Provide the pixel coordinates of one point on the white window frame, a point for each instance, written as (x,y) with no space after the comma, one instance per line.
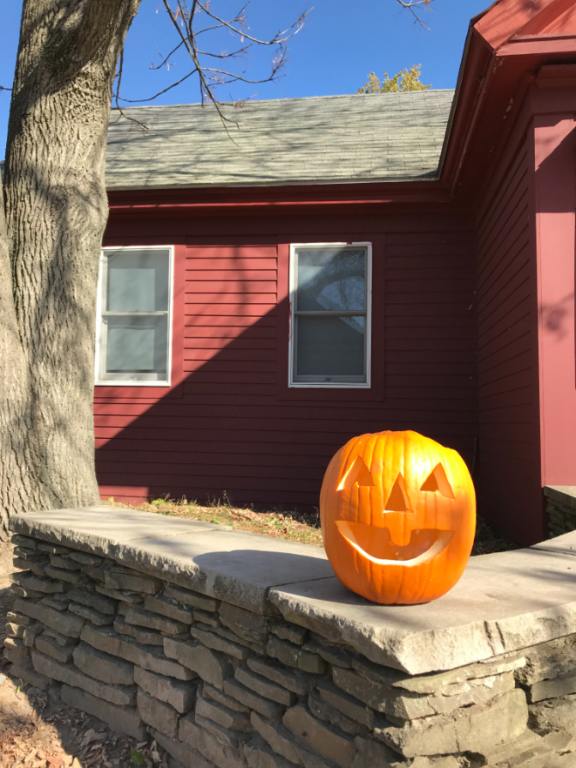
(368,336)
(99,324)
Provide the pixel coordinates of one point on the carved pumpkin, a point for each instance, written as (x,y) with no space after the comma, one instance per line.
(398,513)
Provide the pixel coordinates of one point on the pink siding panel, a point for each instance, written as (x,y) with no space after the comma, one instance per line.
(555,145)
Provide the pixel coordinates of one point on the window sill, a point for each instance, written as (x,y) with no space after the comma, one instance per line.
(328,385)
(125,383)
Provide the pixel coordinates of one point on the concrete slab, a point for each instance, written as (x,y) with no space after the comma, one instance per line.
(504,602)
(231,565)
(565,543)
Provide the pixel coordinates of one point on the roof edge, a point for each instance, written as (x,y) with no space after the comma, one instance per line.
(291,99)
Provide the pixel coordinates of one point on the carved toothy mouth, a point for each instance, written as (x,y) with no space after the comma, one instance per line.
(377,545)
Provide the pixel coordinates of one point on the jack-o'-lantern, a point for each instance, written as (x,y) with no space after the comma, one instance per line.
(398,513)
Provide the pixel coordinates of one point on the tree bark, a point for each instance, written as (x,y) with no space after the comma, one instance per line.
(14,479)
(56,211)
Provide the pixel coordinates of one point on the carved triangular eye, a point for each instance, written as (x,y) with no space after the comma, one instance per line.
(437,481)
(357,473)
(398,499)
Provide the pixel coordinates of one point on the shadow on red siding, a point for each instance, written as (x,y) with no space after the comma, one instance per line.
(231,424)
(508,411)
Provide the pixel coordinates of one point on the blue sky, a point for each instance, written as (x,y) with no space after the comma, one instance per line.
(333,53)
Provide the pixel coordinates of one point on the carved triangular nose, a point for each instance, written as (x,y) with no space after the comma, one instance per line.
(398,498)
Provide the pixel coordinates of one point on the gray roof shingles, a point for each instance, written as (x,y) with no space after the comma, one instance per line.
(326,139)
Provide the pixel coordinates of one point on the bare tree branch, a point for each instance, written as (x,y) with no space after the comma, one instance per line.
(412,6)
(189,42)
(116,93)
(225,54)
(154,96)
(168,56)
(278,38)
(192,19)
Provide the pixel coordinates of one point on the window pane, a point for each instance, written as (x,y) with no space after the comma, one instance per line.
(136,345)
(137,281)
(331,278)
(328,347)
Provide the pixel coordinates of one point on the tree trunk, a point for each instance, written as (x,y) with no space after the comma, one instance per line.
(56,211)
(15,482)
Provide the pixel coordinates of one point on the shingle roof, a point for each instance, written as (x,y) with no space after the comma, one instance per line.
(330,139)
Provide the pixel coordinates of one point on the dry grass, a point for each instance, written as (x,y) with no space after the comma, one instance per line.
(291,525)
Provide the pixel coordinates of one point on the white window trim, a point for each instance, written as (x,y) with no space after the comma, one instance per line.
(127,382)
(368,340)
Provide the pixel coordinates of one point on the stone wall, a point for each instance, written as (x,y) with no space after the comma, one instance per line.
(219,685)
(560,504)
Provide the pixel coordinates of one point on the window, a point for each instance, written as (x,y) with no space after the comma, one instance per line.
(134,317)
(330,315)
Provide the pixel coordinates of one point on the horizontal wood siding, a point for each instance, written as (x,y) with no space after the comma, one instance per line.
(231,425)
(508,456)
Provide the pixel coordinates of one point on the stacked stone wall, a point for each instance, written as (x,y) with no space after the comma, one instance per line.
(217,685)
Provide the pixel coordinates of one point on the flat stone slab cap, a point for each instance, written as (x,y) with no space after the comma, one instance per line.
(504,602)
(229,565)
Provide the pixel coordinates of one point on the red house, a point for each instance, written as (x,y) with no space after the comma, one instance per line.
(346,264)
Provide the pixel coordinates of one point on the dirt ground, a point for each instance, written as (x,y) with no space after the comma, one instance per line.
(38,733)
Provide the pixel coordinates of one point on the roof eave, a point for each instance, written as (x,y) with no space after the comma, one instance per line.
(493,37)
(281,196)
(430,178)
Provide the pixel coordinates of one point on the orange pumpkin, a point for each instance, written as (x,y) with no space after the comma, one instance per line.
(398,513)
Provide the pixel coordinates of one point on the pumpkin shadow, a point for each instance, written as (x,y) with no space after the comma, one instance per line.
(489,585)
(290,575)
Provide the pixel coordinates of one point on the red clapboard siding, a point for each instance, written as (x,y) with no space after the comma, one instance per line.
(231,424)
(233,310)
(227,326)
(508,455)
(222,276)
(117,414)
